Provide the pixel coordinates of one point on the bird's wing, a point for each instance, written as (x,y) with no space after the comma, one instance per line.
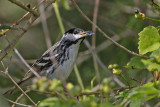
(47,59)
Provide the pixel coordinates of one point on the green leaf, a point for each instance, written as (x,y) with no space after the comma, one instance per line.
(149,40)
(136,62)
(151,66)
(155,53)
(136,102)
(145,92)
(49,102)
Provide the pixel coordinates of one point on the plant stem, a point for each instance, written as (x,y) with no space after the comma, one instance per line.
(78,77)
(152,19)
(55,5)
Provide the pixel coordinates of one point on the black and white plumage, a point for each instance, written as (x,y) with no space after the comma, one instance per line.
(62,55)
(59,59)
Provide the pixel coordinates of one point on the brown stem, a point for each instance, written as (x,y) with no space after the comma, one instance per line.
(18,3)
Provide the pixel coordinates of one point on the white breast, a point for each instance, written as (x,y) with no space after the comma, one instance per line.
(65,69)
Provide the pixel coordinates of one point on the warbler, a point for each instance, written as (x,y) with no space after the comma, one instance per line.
(58,61)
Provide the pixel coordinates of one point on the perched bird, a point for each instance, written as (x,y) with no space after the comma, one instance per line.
(57,61)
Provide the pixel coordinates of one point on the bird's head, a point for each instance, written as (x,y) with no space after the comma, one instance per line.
(75,34)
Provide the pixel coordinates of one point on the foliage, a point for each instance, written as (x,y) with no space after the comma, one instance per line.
(67,96)
(149,40)
(141,93)
(134,81)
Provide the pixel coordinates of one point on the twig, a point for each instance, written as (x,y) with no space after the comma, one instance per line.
(103,45)
(92,52)
(136,80)
(44,25)
(104,34)
(35,13)
(102,65)
(20,97)
(127,87)
(18,103)
(23,31)
(16,23)
(95,13)
(88,93)
(118,81)
(23,60)
(116,37)
(20,20)
(6,72)
(25,63)
(153,3)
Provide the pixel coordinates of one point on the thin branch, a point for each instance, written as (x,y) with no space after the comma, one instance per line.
(16,23)
(88,93)
(102,65)
(127,87)
(103,45)
(18,103)
(23,60)
(28,90)
(105,35)
(25,63)
(35,13)
(21,33)
(95,13)
(44,25)
(6,72)
(153,3)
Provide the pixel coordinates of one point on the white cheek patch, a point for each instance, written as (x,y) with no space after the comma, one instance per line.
(77,36)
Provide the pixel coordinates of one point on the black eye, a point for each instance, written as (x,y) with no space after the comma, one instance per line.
(76,32)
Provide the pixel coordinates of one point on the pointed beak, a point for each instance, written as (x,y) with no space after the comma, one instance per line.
(87,33)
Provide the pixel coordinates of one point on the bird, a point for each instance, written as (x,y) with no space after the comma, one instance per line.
(58,61)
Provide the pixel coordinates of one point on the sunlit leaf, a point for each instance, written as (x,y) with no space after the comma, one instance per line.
(149,40)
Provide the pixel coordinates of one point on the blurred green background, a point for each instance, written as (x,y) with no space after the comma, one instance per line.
(115,18)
